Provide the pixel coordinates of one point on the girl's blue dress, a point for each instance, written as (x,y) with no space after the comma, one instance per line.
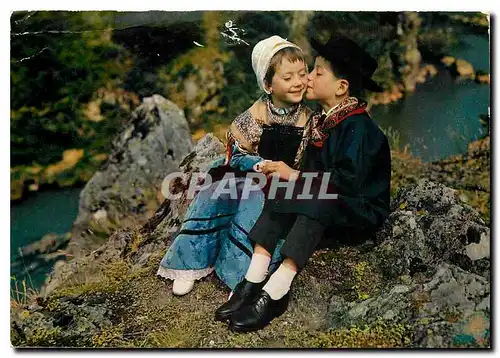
(213,235)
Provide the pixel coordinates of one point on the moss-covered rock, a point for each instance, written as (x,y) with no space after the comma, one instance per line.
(437,311)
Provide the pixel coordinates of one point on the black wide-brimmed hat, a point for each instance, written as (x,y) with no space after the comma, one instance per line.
(348,57)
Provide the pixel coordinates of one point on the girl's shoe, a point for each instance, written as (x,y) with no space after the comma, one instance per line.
(181,287)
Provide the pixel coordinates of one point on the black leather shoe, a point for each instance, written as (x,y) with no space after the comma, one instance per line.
(243,293)
(259,313)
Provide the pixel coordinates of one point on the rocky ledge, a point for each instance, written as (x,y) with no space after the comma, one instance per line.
(422,282)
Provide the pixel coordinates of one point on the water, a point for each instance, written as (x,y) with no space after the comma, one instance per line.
(474,49)
(439,119)
(442,116)
(46,212)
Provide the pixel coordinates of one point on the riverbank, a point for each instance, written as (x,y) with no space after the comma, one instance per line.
(39,226)
(75,169)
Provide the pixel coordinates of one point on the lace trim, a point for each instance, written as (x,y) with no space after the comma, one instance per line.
(185,275)
(277,110)
(283,116)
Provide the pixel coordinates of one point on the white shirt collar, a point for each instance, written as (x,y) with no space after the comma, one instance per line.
(330,111)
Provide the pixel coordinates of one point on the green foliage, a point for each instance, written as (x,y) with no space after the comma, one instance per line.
(43,337)
(375,32)
(436,41)
(58,61)
(379,334)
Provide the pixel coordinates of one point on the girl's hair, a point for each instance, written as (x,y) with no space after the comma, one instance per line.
(292,54)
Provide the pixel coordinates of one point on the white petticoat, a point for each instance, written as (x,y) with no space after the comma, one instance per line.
(184,275)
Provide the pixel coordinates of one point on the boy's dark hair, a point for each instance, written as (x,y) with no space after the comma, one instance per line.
(292,54)
(355,86)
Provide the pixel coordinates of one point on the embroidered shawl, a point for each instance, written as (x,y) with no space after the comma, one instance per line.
(245,131)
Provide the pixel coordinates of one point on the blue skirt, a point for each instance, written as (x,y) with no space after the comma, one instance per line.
(213,237)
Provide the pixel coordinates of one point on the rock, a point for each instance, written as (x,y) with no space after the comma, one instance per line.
(459,67)
(469,173)
(449,310)
(125,191)
(448,61)
(483,78)
(66,322)
(430,225)
(411,57)
(207,150)
(33,187)
(480,250)
(426,70)
(34,258)
(463,68)
(386,97)
(100,215)
(47,244)
(196,78)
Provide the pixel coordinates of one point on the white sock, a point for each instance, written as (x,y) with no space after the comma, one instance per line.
(257,271)
(279,283)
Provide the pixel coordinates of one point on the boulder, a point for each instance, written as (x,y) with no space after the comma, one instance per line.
(459,67)
(463,69)
(429,224)
(34,259)
(450,310)
(49,243)
(483,78)
(125,191)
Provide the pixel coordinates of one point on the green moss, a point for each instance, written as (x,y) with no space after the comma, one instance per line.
(299,338)
(248,340)
(134,245)
(379,335)
(108,337)
(366,280)
(112,277)
(52,304)
(177,336)
(42,337)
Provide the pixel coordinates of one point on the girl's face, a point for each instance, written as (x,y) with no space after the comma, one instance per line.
(288,83)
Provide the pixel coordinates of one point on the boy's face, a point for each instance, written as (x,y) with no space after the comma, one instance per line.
(289,82)
(322,84)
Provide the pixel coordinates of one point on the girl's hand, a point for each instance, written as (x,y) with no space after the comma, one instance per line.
(280,169)
(258,166)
